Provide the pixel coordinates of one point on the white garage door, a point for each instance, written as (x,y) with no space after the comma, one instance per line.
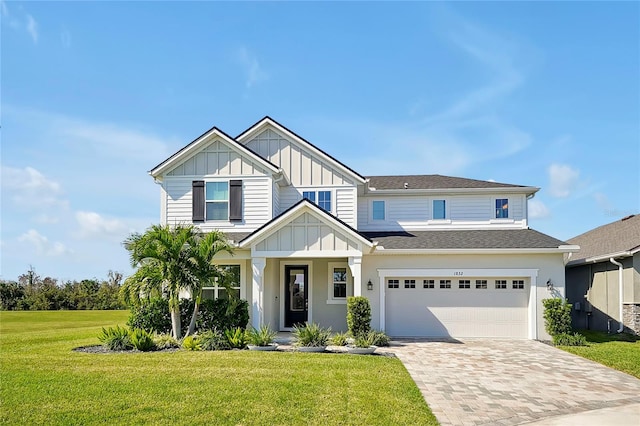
(469,307)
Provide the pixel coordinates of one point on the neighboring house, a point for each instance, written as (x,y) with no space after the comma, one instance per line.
(435,255)
(608,261)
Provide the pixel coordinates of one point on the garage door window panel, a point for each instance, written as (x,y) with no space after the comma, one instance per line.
(445,283)
(464,283)
(409,283)
(428,284)
(517,284)
(393,283)
(501,284)
(481,284)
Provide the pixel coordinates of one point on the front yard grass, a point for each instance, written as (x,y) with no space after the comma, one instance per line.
(43,381)
(619,351)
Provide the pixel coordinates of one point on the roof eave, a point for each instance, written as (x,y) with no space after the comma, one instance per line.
(549,250)
(516,189)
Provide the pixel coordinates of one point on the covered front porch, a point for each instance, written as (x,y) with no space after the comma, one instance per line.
(304,264)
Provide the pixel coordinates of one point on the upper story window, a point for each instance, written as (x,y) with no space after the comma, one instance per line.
(502,208)
(217,200)
(378,210)
(323,198)
(439,209)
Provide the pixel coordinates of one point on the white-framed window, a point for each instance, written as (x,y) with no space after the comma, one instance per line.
(339,285)
(501,284)
(439,209)
(217,200)
(409,283)
(502,208)
(482,284)
(321,198)
(428,283)
(378,210)
(445,283)
(219,291)
(517,284)
(464,283)
(392,283)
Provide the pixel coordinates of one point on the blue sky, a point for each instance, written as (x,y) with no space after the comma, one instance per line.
(94,94)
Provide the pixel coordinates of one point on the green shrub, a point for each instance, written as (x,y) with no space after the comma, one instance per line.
(262,337)
(142,340)
(358,315)
(213,340)
(557,316)
(191,343)
(165,341)
(565,339)
(379,338)
(339,339)
(116,339)
(153,315)
(236,338)
(311,335)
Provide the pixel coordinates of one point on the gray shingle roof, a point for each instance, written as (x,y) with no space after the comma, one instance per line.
(236,237)
(433,182)
(615,237)
(467,239)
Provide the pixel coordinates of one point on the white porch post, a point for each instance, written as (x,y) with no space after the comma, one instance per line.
(257,291)
(355,265)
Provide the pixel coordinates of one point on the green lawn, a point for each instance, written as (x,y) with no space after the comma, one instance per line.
(619,351)
(43,381)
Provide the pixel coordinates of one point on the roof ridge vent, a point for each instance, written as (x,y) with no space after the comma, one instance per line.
(628,217)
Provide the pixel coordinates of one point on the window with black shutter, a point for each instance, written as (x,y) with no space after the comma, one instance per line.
(197,187)
(235,200)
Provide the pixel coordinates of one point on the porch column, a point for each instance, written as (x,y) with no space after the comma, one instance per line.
(355,265)
(257,291)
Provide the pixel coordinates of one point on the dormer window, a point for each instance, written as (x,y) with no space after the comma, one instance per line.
(502,208)
(378,210)
(439,209)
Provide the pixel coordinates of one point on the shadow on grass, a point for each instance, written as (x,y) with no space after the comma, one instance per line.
(602,337)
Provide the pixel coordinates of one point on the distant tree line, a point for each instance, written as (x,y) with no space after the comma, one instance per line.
(32,292)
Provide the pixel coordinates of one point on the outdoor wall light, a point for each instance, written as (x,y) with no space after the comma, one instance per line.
(549,285)
(369,285)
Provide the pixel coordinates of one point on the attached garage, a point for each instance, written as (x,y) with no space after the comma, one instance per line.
(460,303)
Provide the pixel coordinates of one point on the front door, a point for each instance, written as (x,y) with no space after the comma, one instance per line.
(296,289)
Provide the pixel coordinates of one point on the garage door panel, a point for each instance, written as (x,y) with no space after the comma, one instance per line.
(455,312)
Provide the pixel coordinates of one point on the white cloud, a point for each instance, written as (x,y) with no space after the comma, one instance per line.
(254,72)
(563,180)
(46,219)
(538,210)
(93,225)
(32,28)
(42,244)
(30,188)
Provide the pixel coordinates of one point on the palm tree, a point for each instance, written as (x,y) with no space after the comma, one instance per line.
(172,259)
(206,272)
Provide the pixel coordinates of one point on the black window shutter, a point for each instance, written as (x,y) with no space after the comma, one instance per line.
(235,200)
(197,187)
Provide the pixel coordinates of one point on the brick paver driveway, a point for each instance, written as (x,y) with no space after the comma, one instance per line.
(509,382)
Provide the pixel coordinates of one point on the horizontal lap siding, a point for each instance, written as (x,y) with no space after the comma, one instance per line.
(256,205)
(343,197)
(414,212)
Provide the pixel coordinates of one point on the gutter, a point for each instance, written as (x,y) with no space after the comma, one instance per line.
(529,190)
(620,289)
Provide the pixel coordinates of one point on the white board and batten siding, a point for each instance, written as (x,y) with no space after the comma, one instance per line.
(463,211)
(303,167)
(306,234)
(219,161)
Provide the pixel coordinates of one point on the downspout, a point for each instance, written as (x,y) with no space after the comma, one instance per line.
(619,265)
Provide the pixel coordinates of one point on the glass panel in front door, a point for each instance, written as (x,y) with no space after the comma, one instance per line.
(296,290)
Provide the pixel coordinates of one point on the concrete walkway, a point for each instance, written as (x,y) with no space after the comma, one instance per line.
(510,382)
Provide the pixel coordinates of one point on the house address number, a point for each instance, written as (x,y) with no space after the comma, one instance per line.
(458,273)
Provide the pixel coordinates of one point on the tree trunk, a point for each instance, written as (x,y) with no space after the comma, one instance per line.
(192,324)
(175,324)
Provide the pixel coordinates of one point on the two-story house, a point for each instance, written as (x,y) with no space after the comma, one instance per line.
(435,255)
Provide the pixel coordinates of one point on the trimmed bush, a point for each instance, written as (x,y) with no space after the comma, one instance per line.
(262,337)
(142,340)
(379,338)
(358,316)
(339,339)
(191,343)
(116,339)
(557,316)
(565,339)
(153,315)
